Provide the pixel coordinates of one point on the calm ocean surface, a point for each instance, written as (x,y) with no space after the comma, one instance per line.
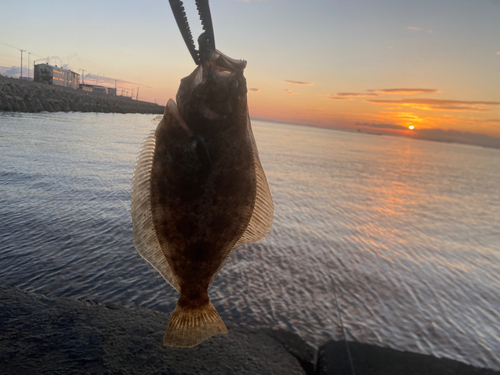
(405,232)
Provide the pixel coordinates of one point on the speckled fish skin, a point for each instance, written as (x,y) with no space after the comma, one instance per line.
(199,192)
(203,181)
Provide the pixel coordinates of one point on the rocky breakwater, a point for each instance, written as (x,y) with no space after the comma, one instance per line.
(25,96)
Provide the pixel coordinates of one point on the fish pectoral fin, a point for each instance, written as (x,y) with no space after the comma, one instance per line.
(190,327)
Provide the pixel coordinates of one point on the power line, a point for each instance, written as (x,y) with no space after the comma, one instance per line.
(8,45)
(47,58)
(11,46)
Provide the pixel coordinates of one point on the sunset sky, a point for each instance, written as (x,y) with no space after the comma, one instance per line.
(378,66)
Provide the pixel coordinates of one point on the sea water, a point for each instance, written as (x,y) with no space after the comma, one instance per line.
(398,237)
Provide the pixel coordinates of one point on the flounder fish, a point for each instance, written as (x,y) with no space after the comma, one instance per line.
(199,192)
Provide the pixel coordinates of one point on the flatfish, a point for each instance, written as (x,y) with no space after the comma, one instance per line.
(199,192)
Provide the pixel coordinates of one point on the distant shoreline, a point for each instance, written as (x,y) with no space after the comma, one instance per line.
(491,142)
(17,95)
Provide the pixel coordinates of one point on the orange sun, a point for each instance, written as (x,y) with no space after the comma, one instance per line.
(411,127)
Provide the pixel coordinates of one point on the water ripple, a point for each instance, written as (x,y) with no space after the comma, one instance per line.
(404,232)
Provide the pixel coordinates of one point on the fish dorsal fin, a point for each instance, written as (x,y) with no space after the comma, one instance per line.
(145,239)
(262,215)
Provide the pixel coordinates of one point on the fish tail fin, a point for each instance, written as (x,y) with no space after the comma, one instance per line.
(190,327)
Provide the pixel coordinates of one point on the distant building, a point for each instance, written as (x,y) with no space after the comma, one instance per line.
(98,89)
(53,75)
(88,88)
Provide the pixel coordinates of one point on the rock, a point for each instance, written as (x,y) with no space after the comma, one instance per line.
(15,105)
(7,106)
(333,359)
(296,346)
(22,106)
(54,98)
(63,336)
(374,360)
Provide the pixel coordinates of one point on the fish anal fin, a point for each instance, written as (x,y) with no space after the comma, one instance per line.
(190,327)
(144,234)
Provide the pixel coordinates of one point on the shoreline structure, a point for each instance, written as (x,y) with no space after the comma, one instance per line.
(60,335)
(18,95)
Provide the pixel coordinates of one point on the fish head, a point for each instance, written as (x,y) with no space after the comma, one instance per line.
(214,96)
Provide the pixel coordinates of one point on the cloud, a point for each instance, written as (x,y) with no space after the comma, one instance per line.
(405,91)
(376,92)
(356,95)
(457,108)
(299,83)
(495,122)
(382,126)
(254,89)
(404,116)
(349,95)
(52,60)
(290,92)
(438,104)
(11,71)
(334,97)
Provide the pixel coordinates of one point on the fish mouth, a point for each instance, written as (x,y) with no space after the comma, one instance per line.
(215,91)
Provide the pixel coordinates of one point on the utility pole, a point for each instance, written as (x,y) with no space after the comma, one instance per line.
(22,50)
(29,53)
(137,95)
(132,96)
(83,76)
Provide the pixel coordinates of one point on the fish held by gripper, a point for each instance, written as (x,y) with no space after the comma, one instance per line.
(199,190)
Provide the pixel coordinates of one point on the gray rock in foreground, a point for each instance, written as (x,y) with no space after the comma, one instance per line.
(304,353)
(374,360)
(42,335)
(62,336)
